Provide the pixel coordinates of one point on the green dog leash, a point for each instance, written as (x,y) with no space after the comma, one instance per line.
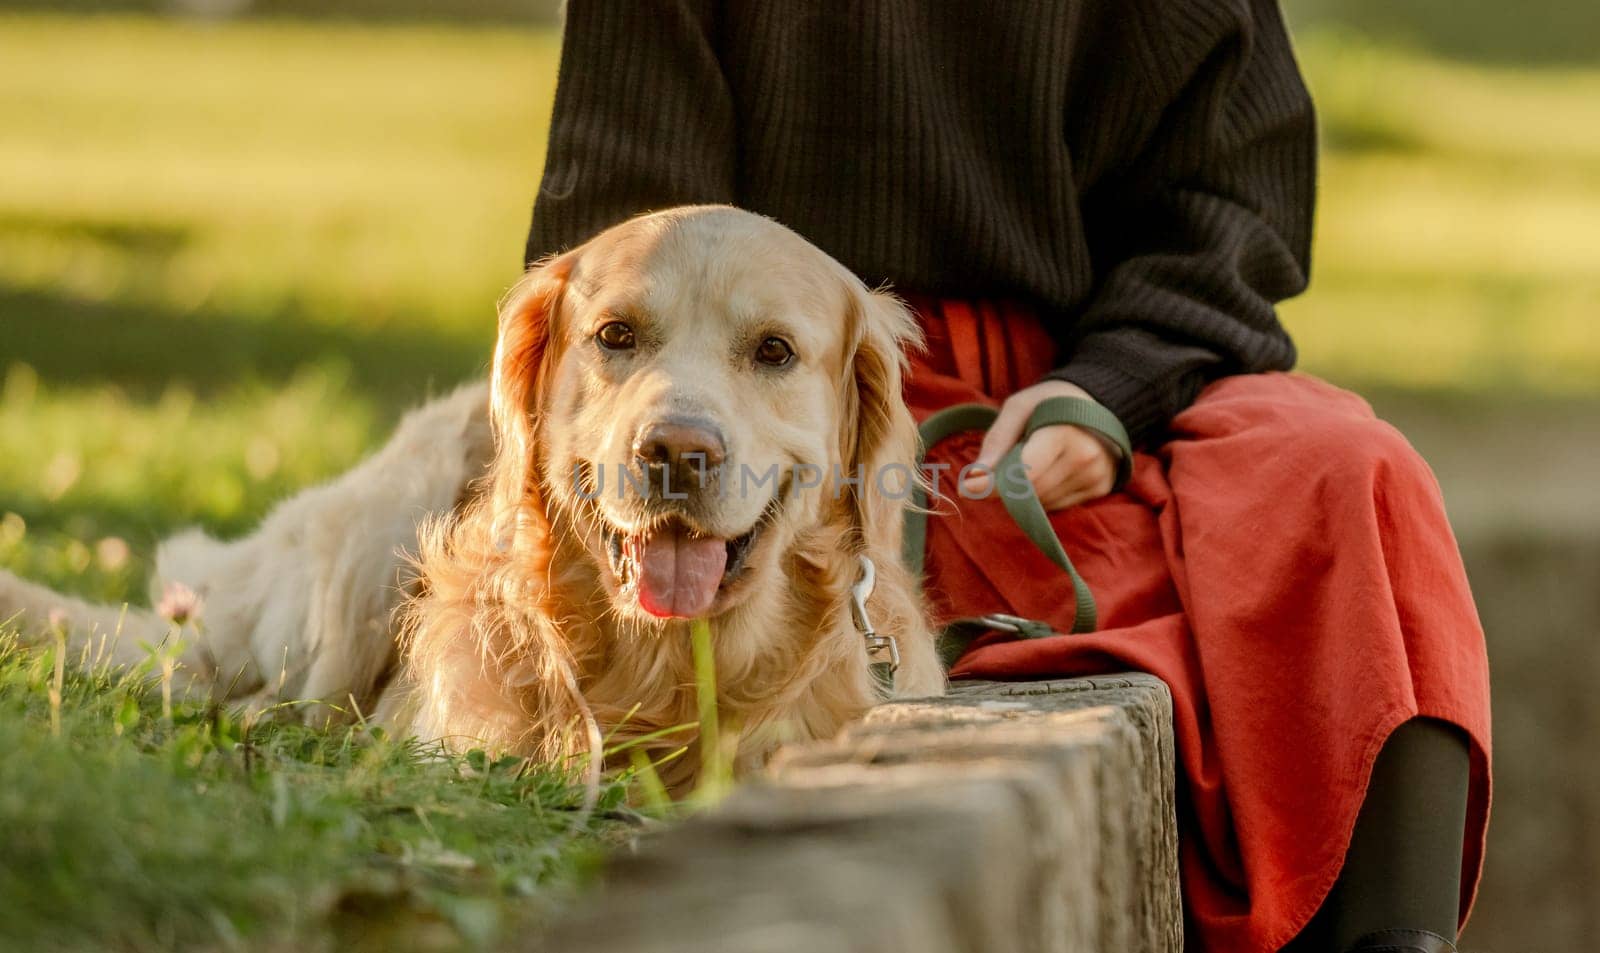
(1021,502)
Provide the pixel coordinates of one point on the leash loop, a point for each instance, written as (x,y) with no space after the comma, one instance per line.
(1021,503)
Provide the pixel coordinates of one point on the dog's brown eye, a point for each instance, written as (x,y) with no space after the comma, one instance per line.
(775,352)
(615,336)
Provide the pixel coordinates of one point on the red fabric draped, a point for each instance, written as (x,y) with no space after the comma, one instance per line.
(1282,562)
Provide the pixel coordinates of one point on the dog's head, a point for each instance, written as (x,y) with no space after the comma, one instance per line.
(692,390)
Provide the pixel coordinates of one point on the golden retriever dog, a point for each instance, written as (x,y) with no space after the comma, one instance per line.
(695,415)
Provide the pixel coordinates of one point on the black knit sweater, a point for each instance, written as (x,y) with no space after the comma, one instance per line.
(1141,171)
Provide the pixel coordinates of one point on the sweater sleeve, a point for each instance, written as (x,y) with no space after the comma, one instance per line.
(642,120)
(1207,223)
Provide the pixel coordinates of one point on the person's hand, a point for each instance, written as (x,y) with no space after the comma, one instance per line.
(1067,465)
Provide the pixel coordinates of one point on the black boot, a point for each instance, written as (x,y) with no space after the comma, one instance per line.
(1403,941)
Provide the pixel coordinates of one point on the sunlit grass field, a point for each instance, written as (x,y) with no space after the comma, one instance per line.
(231,254)
(1456,240)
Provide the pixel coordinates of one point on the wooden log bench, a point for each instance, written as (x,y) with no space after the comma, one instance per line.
(1026,816)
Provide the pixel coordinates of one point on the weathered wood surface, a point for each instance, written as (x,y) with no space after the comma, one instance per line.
(1031,817)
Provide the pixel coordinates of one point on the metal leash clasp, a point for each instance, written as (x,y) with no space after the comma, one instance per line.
(883,669)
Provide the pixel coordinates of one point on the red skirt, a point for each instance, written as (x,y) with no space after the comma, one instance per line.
(1282,562)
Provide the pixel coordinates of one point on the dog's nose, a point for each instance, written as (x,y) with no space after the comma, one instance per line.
(680,442)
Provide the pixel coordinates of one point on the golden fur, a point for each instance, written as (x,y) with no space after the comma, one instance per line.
(514,637)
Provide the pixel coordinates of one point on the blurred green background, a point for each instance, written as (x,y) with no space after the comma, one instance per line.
(237,239)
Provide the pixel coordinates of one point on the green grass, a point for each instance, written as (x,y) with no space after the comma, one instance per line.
(134,831)
(231,254)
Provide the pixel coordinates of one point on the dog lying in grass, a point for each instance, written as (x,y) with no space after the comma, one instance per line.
(695,415)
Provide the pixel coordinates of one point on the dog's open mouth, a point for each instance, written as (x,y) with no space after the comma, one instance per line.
(674,570)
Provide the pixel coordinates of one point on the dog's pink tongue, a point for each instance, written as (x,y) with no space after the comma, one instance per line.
(678,574)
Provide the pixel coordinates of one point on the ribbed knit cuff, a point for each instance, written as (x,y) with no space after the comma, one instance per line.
(1138,404)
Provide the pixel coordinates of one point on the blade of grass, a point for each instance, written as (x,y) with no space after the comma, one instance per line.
(645,739)
(657,801)
(716,769)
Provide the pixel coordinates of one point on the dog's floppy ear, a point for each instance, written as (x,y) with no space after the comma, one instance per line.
(880,442)
(522,361)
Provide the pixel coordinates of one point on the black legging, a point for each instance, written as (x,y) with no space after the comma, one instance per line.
(1403,870)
